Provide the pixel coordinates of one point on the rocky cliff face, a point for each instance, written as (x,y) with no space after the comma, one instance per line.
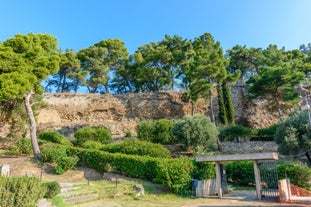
(120,113)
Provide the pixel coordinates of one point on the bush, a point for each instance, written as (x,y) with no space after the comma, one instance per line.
(100,134)
(233,133)
(52,189)
(21,146)
(163,132)
(65,163)
(267,134)
(20,191)
(156,131)
(203,170)
(197,131)
(240,172)
(137,147)
(54,137)
(145,130)
(293,135)
(298,173)
(57,154)
(92,145)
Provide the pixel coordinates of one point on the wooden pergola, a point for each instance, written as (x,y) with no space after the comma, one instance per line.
(238,157)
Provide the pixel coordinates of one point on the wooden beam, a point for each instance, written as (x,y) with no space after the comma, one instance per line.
(218,180)
(236,157)
(257,180)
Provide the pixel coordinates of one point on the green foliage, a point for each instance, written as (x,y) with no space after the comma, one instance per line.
(128,134)
(145,130)
(20,191)
(90,144)
(137,147)
(221,103)
(298,173)
(293,135)
(65,163)
(98,133)
(174,173)
(240,172)
(54,137)
(163,132)
(58,154)
(233,133)
(228,102)
(203,170)
(267,134)
(276,83)
(159,131)
(52,189)
(21,146)
(197,131)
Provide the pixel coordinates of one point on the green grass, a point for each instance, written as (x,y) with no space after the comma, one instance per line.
(58,201)
(124,195)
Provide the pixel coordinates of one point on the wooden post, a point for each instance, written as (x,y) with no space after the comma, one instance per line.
(218,179)
(258,181)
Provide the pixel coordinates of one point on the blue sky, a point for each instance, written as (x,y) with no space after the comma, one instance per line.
(78,24)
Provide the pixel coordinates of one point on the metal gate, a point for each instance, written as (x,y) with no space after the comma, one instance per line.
(269,179)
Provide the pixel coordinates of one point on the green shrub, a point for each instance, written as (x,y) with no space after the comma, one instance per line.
(145,130)
(203,170)
(128,134)
(233,133)
(240,172)
(52,189)
(298,173)
(99,133)
(21,146)
(65,163)
(92,145)
(54,137)
(137,147)
(20,191)
(51,153)
(197,131)
(293,135)
(159,131)
(267,134)
(58,154)
(163,132)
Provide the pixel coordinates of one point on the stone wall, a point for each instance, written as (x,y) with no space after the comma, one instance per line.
(248,147)
(120,113)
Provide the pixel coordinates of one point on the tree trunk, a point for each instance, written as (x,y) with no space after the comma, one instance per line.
(308,157)
(192,108)
(33,126)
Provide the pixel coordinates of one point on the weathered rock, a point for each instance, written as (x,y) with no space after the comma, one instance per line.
(5,170)
(120,113)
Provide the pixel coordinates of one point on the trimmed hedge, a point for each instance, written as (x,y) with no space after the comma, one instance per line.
(137,147)
(173,173)
(54,137)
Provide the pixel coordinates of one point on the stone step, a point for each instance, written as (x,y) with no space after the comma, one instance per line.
(82,198)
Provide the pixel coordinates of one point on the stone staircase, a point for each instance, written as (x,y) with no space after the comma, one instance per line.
(73,194)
